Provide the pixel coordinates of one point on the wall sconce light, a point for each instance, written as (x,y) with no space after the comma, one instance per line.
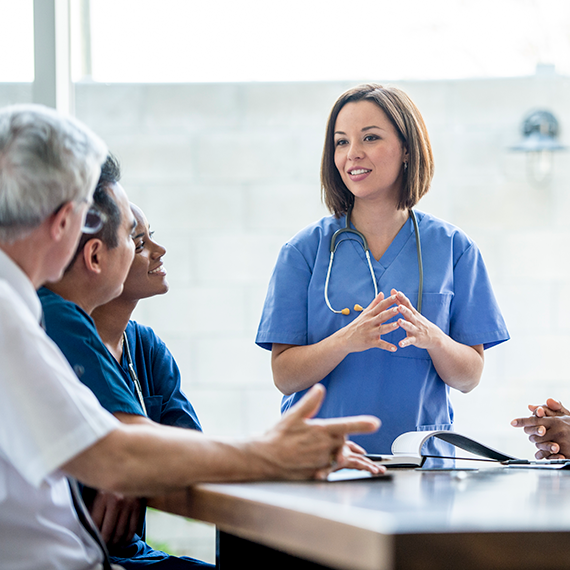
(540,140)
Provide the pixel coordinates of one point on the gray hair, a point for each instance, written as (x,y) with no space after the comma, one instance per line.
(46,160)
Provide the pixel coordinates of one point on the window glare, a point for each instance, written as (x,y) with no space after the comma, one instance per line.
(302,40)
(16,40)
(299,40)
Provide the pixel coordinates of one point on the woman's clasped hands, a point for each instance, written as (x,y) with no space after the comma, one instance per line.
(376,320)
(367,329)
(420,331)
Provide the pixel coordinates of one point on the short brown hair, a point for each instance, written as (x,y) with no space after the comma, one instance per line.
(411,129)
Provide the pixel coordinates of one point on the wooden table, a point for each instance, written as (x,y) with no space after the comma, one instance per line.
(491,518)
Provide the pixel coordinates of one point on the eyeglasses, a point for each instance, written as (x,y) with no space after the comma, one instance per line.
(94,221)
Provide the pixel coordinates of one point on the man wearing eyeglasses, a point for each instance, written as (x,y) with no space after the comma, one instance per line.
(51,426)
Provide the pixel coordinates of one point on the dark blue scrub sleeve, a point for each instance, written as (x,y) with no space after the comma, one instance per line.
(160,380)
(74,332)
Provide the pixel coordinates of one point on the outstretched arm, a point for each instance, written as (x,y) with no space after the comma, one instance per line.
(146,460)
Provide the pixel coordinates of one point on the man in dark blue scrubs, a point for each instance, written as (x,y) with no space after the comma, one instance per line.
(94,277)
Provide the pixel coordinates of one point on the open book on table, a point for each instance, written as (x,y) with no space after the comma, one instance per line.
(407,452)
(407,449)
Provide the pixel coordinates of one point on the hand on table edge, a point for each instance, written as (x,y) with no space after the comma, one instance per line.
(351,456)
(149,459)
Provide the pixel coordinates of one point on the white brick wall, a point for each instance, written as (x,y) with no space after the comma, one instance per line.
(227,172)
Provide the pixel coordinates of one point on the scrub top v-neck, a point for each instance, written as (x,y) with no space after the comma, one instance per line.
(380,266)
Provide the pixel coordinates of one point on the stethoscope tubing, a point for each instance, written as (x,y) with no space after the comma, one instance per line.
(347,229)
(132,373)
(420,261)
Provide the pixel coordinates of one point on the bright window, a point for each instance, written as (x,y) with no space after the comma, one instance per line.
(302,40)
(16,40)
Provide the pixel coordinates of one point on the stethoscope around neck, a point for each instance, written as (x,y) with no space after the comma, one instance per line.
(335,242)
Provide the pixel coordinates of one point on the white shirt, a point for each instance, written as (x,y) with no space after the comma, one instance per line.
(46,418)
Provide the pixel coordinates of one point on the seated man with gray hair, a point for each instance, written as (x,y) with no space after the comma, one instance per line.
(51,426)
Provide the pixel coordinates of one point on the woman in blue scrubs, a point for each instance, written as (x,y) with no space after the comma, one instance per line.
(156,371)
(158,377)
(376,353)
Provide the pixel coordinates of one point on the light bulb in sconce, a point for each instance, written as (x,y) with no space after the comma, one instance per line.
(539,142)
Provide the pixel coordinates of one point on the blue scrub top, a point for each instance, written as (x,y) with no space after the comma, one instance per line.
(159,377)
(401,388)
(74,331)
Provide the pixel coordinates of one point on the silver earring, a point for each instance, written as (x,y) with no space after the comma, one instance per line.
(406,166)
